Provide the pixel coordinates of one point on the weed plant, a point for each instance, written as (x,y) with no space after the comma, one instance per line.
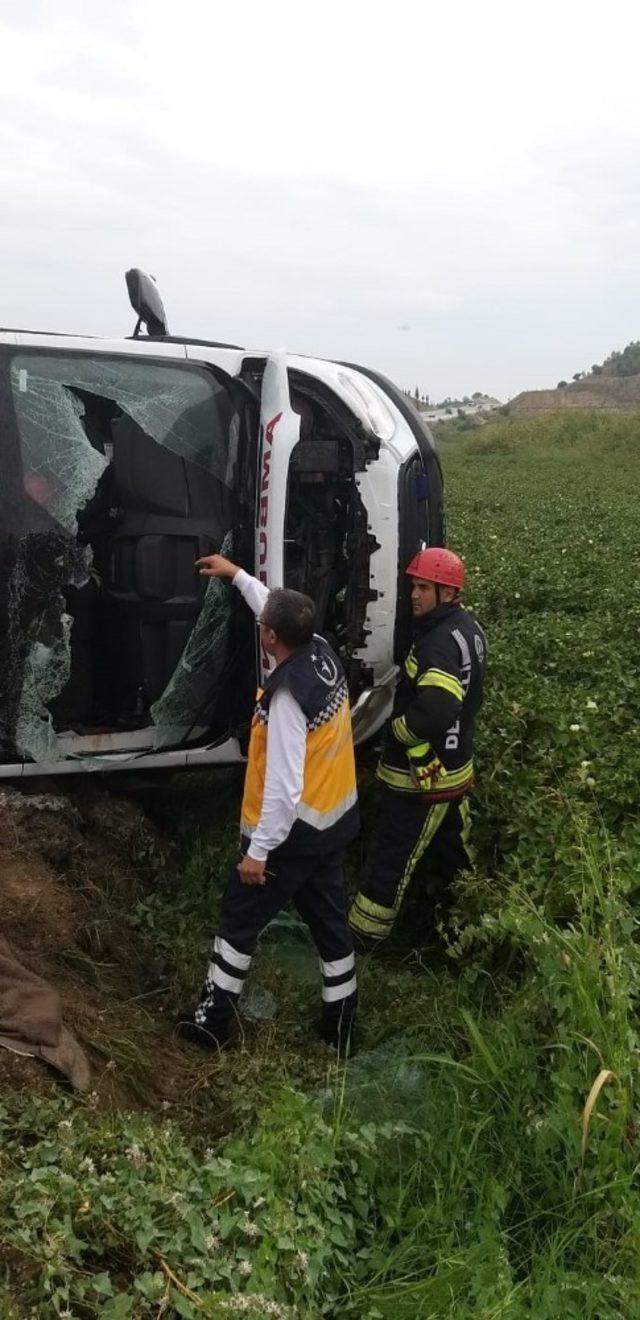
(494,1174)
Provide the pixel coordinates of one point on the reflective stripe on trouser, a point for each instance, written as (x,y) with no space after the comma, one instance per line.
(338,979)
(407,830)
(315,884)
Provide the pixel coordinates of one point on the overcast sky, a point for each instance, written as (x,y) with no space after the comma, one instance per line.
(450,192)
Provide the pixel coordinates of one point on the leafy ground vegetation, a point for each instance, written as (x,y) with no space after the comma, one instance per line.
(478,1158)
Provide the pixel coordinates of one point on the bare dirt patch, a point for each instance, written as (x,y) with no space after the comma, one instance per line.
(72,866)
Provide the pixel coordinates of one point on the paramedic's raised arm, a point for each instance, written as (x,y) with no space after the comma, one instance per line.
(255,593)
(216,566)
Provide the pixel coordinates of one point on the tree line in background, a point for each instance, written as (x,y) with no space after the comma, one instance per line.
(625,362)
(419,397)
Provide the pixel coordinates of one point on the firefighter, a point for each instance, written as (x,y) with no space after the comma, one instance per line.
(426,765)
(299,810)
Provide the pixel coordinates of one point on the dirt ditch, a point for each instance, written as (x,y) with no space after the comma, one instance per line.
(73,863)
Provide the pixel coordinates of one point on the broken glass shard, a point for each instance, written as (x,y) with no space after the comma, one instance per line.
(185,704)
(60,465)
(389,1080)
(287,941)
(46,670)
(257,1004)
(392,1073)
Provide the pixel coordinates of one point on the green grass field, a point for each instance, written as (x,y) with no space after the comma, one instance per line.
(478,1158)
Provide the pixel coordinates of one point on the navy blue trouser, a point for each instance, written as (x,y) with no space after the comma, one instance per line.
(316,885)
(408,828)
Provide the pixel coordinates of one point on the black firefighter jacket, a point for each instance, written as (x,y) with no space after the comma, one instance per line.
(428,747)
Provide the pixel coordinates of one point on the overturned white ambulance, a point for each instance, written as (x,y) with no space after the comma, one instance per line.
(123,461)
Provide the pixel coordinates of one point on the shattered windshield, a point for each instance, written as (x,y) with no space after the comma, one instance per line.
(66,437)
(125,473)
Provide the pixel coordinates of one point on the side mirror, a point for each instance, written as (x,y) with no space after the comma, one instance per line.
(146,302)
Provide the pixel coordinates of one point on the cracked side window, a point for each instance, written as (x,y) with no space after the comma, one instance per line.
(101,594)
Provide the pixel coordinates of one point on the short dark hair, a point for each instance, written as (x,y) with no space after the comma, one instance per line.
(291,615)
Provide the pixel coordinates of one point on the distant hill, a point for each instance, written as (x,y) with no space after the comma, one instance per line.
(606,393)
(625,363)
(610,386)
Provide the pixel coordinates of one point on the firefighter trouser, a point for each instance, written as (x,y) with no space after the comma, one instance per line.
(407,829)
(317,887)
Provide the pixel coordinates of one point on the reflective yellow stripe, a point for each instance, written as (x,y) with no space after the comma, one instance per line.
(432,824)
(434,778)
(371,918)
(402,732)
(465,817)
(453,778)
(372,909)
(411,664)
(396,778)
(438,678)
(365,925)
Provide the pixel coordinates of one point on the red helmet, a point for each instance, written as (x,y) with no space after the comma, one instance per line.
(438,565)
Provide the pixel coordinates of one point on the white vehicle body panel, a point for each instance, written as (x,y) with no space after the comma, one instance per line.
(279,434)
(85,344)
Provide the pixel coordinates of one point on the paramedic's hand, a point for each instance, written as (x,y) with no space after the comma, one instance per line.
(251,870)
(216,566)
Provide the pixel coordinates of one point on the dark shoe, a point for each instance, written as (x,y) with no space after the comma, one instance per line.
(193,1033)
(340,1035)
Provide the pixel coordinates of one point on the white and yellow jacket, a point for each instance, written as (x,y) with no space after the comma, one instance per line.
(300,785)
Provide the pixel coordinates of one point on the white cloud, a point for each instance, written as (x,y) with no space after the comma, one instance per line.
(322,176)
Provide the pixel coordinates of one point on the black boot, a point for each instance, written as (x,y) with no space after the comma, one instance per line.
(337,1028)
(195,1033)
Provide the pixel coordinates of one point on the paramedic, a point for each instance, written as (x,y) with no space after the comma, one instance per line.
(299,810)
